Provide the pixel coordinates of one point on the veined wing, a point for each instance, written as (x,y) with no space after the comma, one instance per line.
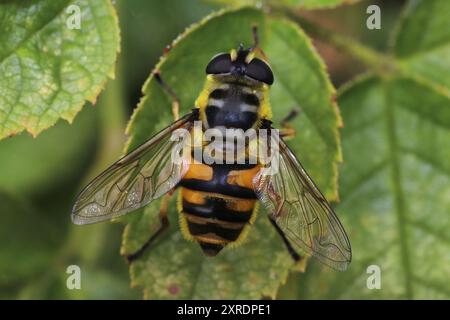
(302,212)
(135,180)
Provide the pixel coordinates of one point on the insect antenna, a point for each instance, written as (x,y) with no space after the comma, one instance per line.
(255,36)
(256,42)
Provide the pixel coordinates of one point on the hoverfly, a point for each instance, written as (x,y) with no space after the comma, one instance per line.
(218,202)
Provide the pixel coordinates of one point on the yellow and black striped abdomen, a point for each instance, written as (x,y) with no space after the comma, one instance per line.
(217,204)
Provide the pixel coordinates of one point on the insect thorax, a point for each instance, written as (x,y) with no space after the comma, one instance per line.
(233,105)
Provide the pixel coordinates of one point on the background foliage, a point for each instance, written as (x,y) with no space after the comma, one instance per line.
(394,91)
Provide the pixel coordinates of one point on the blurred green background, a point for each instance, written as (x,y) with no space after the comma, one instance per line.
(40,178)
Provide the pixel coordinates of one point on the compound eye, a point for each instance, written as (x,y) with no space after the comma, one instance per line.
(221,63)
(259,70)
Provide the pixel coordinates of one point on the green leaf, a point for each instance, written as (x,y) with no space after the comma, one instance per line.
(48,71)
(306,4)
(176,268)
(395,187)
(423,42)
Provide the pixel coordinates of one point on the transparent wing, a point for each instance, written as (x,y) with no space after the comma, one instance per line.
(302,212)
(138,178)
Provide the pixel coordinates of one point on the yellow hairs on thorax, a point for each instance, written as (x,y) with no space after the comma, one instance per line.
(265,110)
(202,100)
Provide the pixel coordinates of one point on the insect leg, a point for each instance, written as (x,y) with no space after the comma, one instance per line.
(286,129)
(164,225)
(169,90)
(291,250)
